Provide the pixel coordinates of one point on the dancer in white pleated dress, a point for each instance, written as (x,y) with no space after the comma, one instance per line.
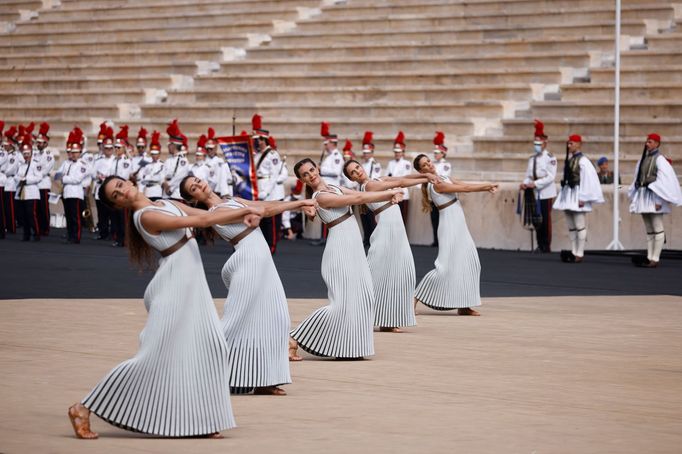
(455,281)
(256,317)
(390,256)
(177,383)
(343,329)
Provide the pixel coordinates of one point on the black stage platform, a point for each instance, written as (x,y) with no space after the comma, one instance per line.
(94,269)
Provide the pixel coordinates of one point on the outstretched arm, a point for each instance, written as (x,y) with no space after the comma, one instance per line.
(396,182)
(444,187)
(274,208)
(155,222)
(351,197)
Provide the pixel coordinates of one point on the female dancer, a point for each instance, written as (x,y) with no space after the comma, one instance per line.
(176,384)
(343,329)
(390,256)
(256,318)
(455,282)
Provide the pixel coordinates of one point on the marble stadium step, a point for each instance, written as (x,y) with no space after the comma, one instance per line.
(399,110)
(104,69)
(122,56)
(13,6)
(665,41)
(56,97)
(379,78)
(84,82)
(604,109)
(559,128)
(446,46)
(86,46)
(399,63)
(652,57)
(628,92)
(536,30)
(639,74)
(63,109)
(474,8)
(150,9)
(518,92)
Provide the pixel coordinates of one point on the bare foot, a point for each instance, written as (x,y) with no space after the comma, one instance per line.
(293,348)
(386,329)
(468,311)
(216,436)
(80,420)
(270,391)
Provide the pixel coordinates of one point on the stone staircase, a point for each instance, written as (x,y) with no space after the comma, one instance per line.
(479,70)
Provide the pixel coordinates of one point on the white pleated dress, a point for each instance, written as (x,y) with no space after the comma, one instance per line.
(392,267)
(455,281)
(256,316)
(177,383)
(343,329)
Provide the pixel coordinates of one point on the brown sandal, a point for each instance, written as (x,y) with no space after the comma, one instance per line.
(81,423)
(468,311)
(269,391)
(293,348)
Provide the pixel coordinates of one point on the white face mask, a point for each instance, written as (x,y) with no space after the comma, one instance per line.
(537,147)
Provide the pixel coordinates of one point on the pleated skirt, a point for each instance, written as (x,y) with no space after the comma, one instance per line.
(392,267)
(256,317)
(342,329)
(454,283)
(177,383)
(568,199)
(644,201)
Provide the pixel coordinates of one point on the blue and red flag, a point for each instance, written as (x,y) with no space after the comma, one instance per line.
(238,152)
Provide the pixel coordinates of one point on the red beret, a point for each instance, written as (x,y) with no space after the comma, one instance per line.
(575,138)
(654,136)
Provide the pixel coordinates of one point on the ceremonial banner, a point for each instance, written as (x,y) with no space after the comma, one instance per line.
(238,152)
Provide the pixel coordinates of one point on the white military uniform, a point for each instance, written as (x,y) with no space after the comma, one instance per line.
(137,166)
(151,177)
(73,175)
(201,170)
(102,169)
(89,160)
(220,177)
(31,174)
(443,167)
(3,163)
(331,168)
(47,162)
(14,160)
(122,167)
(372,167)
(177,168)
(663,191)
(541,171)
(400,168)
(268,172)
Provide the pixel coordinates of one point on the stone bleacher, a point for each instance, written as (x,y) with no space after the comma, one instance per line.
(478,70)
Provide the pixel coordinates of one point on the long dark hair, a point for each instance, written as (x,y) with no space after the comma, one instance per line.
(297,168)
(139,252)
(345,167)
(426,201)
(209,233)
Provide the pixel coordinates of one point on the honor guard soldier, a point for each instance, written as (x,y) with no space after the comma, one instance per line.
(152,175)
(443,169)
(654,191)
(177,166)
(3,180)
(89,160)
(27,196)
(348,154)
(221,180)
(141,158)
(14,160)
(72,173)
(122,167)
(100,140)
(331,167)
(268,167)
(103,168)
(400,167)
(46,158)
(539,187)
(200,169)
(278,193)
(580,188)
(372,168)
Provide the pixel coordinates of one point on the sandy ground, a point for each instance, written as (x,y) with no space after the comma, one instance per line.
(532,375)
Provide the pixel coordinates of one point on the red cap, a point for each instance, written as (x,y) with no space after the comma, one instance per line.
(539,129)
(272,142)
(28,142)
(348,147)
(122,135)
(2,126)
(44,129)
(257,126)
(11,134)
(155,144)
(575,138)
(175,135)
(76,139)
(142,136)
(31,126)
(439,142)
(654,136)
(298,188)
(399,142)
(324,132)
(367,144)
(102,132)
(201,144)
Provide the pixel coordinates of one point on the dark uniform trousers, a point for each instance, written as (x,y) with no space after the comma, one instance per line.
(543,230)
(403,210)
(368,224)
(10,213)
(435,218)
(103,219)
(44,212)
(271,228)
(28,213)
(2,212)
(72,213)
(118,225)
